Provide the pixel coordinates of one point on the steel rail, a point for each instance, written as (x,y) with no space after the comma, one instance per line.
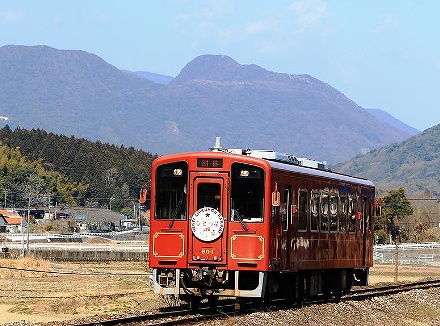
(365,293)
(180,315)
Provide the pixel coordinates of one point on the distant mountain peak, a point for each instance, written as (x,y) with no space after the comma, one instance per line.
(221,68)
(392,121)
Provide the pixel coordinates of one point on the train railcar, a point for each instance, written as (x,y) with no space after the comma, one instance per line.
(257,224)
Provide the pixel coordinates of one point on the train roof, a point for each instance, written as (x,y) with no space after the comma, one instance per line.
(320,173)
(275,163)
(289,162)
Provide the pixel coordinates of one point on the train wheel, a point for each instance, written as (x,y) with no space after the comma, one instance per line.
(337,294)
(327,293)
(212,302)
(241,303)
(301,289)
(238,305)
(194,303)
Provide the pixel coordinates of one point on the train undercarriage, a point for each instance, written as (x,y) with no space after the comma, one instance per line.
(195,285)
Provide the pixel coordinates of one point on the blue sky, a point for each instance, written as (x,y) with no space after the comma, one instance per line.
(381,54)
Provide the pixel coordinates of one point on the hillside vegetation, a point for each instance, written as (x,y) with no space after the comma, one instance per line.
(70,170)
(413,164)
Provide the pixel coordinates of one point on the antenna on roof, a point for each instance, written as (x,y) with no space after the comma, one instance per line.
(218,145)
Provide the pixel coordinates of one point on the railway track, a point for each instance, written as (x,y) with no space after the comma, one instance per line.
(182,315)
(365,293)
(171,316)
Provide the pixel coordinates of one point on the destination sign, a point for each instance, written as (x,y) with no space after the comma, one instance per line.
(209,163)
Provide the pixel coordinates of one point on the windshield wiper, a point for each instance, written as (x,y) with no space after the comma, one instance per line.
(177,211)
(240,219)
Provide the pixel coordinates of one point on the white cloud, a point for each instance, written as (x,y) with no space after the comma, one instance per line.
(269,23)
(205,20)
(9,17)
(207,12)
(308,13)
(254,28)
(388,23)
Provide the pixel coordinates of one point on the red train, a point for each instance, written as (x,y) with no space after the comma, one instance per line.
(257,224)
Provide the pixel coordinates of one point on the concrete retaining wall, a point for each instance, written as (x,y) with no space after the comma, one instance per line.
(76,255)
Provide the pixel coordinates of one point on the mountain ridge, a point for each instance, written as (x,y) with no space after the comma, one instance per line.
(76,93)
(411,164)
(392,121)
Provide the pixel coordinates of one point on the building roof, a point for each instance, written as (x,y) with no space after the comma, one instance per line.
(14,221)
(11,213)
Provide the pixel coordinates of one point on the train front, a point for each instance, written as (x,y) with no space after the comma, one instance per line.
(208,225)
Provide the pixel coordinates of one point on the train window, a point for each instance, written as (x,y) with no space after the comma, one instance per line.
(208,195)
(303,209)
(171,191)
(352,210)
(314,218)
(342,209)
(333,213)
(247,193)
(364,218)
(324,211)
(285,211)
(367,215)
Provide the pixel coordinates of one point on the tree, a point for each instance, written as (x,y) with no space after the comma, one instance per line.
(396,205)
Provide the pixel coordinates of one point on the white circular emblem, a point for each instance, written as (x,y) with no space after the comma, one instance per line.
(207,224)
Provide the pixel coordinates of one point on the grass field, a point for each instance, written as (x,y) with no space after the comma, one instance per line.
(42,291)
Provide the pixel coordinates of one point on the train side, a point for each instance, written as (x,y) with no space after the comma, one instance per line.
(227,224)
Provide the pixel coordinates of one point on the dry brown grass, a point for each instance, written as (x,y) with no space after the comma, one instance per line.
(72,290)
(25,267)
(66,291)
(385,273)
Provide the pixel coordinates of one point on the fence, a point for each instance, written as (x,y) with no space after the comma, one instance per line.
(79,252)
(417,254)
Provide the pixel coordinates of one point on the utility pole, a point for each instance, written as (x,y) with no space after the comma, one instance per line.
(48,207)
(396,261)
(22,238)
(140,216)
(27,227)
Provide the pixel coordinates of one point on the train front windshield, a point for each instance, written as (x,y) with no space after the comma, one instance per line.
(171,191)
(247,193)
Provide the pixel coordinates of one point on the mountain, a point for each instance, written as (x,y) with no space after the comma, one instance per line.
(392,121)
(156,78)
(412,164)
(71,93)
(77,93)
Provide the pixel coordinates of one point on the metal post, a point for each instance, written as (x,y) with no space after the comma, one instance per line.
(22,239)
(48,207)
(27,228)
(140,216)
(396,261)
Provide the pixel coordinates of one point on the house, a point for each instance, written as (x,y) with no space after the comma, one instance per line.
(2,224)
(14,222)
(128,223)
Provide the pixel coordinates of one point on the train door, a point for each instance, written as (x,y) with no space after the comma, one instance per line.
(207,209)
(286,226)
(364,229)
